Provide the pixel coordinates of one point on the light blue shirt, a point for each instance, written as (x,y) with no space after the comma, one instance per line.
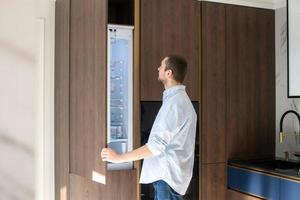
(172,142)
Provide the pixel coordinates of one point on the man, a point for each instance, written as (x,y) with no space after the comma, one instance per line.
(169,153)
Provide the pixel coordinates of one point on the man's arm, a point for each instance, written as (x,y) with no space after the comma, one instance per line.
(110,155)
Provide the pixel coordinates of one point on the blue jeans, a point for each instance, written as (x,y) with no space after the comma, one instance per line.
(164,192)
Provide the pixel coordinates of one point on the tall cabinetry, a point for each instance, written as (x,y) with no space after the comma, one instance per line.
(213,102)
(230,51)
(81,106)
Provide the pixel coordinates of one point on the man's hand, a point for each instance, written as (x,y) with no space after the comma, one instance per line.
(110,155)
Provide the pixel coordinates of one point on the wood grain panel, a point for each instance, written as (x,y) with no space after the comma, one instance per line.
(213,83)
(250,62)
(234,195)
(120,186)
(214,181)
(136,93)
(84,189)
(169,27)
(61,98)
(87,86)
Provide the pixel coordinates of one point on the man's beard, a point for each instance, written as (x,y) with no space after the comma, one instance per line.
(160,80)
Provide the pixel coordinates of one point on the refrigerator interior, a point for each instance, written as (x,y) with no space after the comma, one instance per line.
(119,91)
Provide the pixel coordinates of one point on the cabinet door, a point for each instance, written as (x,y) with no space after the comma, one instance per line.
(213,181)
(250,91)
(88,27)
(169,27)
(213,97)
(253,183)
(289,190)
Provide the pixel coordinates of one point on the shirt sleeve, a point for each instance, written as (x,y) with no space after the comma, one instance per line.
(166,125)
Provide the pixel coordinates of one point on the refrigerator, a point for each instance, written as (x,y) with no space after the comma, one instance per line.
(120,92)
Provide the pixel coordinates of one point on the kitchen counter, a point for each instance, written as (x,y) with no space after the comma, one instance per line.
(267,179)
(280,168)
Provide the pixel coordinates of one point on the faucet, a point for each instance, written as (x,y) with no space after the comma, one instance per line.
(282,135)
(286,155)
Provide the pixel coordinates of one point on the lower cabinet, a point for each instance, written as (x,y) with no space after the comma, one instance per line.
(252,183)
(289,190)
(213,181)
(262,185)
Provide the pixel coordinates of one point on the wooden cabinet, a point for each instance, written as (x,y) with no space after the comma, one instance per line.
(213,96)
(80,106)
(213,181)
(237,99)
(238,84)
(169,27)
(120,185)
(250,75)
(87,86)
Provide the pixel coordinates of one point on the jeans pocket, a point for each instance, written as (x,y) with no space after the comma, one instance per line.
(162,191)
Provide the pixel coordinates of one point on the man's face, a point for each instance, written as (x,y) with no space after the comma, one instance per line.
(163,74)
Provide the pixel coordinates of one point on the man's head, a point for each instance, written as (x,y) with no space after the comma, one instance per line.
(172,68)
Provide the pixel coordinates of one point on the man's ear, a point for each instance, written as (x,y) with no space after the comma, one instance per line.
(170,72)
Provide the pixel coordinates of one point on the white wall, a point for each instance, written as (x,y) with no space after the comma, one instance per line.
(26,99)
(291,124)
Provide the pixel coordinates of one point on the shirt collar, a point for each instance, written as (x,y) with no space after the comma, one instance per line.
(172,90)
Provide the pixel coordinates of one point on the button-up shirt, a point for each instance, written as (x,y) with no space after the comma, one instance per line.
(172,142)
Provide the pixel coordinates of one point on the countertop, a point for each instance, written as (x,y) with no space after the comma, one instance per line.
(267,167)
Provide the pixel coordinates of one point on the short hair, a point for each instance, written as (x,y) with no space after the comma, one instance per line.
(178,65)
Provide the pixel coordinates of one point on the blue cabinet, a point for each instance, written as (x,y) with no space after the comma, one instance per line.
(289,190)
(262,185)
(253,183)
